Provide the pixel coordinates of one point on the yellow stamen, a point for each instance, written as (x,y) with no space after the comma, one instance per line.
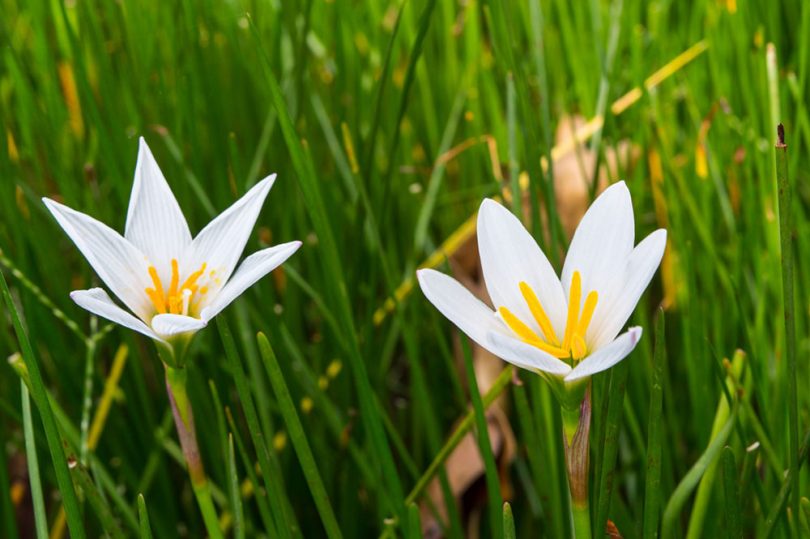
(178,298)
(578,347)
(587,312)
(574,297)
(528,335)
(156,293)
(175,279)
(192,279)
(576,326)
(539,314)
(175,304)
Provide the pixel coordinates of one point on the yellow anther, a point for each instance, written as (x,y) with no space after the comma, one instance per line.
(574,297)
(578,347)
(528,335)
(176,304)
(576,326)
(178,298)
(175,279)
(157,300)
(156,294)
(539,314)
(587,313)
(192,279)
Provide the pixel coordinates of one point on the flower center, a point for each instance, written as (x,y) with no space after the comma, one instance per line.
(178,298)
(576,325)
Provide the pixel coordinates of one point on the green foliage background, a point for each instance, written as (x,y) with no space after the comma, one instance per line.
(228,92)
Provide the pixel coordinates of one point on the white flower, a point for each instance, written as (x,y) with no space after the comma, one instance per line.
(172,283)
(564,327)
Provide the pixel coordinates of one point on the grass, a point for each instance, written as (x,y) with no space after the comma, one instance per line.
(387,123)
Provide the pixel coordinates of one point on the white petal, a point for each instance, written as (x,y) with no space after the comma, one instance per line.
(458,305)
(121,265)
(641,266)
(510,255)
(220,244)
(169,325)
(606,357)
(251,270)
(602,244)
(155,223)
(525,356)
(98,302)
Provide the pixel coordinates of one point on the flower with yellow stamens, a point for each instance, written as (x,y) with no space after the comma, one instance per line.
(173,285)
(564,328)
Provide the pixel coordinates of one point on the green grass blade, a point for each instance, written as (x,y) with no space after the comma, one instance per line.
(731,495)
(143,519)
(234,493)
(789,304)
(495,500)
(265,512)
(299,439)
(655,428)
(508,522)
(100,507)
(40,519)
(692,478)
(617,378)
(704,493)
(414,525)
(779,501)
(39,392)
(283,521)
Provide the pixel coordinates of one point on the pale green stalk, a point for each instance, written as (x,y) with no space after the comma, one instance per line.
(176,380)
(576,431)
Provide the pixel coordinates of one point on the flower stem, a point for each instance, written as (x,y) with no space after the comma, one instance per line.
(576,430)
(184,421)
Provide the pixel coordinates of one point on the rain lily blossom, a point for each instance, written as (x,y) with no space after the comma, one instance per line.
(172,285)
(565,328)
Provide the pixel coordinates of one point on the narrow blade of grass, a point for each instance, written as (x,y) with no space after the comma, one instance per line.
(655,428)
(508,522)
(692,478)
(299,439)
(495,502)
(283,521)
(610,444)
(731,495)
(52,436)
(707,482)
(234,493)
(788,302)
(143,519)
(40,519)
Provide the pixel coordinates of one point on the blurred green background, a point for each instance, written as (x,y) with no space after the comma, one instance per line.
(393,121)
